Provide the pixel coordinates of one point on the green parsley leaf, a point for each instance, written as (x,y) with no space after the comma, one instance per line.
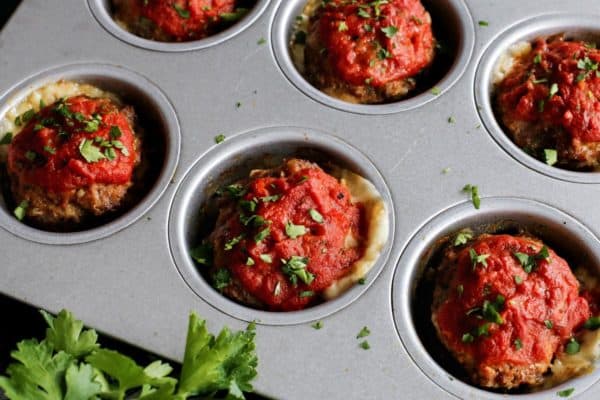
(248,205)
(593,323)
(294,231)
(203,254)
(436,91)
(518,280)
(219,138)
(364,332)
(221,278)
(365,345)
(468,338)
(566,392)
(81,382)
(451,119)
(550,156)
(262,235)
(572,347)
(390,31)
(225,362)
(478,258)
(474,190)
(317,325)
(183,13)
(266,258)
(295,268)
(90,152)
(342,26)
(270,199)
(230,244)
(541,106)
(316,216)
(548,324)
(261,41)
(463,237)
(362,281)
(483,23)
(30,155)
(363,13)
(249,261)
(234,191)
(115,132)
(65,333)
(306,293)
(553,90)
(518,344)
(21,210)
(238,14)
(538,58)
(50,149)
(491,310)
(6,139)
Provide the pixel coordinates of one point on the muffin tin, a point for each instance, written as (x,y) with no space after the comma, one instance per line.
(133,279)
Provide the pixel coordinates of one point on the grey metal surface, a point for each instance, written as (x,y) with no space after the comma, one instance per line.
(127,284)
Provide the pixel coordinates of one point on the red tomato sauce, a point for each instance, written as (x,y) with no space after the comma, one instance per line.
(47,151)
(558,84)
(540,310)
(323,244)
(372,43)
(184,19)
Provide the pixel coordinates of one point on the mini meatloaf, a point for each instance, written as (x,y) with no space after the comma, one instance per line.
(365,51)
(547,97)
(178,20)
(506,307)
(73,158)
(289,237)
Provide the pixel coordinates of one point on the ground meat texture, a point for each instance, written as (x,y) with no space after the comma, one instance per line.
(503,324)
(368,52)
(175,20)
(285,235)
(73,159)
(549,100)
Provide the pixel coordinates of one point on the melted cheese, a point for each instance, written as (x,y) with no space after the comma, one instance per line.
(507,60)
(301,25)
(364,192)
(47,94)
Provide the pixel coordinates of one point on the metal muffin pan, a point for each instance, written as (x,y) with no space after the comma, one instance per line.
(127,284)
(233,160)
(567,236)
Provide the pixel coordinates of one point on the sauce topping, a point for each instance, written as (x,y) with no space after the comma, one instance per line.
(557,84)
(376,42)
(290,239)
(184,19)
(497,312)
(74,143)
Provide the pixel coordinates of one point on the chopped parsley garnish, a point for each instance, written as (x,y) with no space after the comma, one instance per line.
(221,278)
(50,149)
(451,119)
(92,124)
(293,231)
(266,258)
(550,156)
(572,347)
(260,41)
(300,37)
(491,310)
(6,139)
(365,345)
(538,58)
(234,190)
(248,205)
(364,332)
(219,138)
(260,236)
(90,152)
(483,23)
(462,238)
(249,261)
(548,324)
(236,15)
(592,323)
(363,13)
(565,392)
(115,132)
(553,90)
(270,199)
(390,31)
(25,117)
(30,155)
(541,106)
(342,26)
(306,293)
(183,13)
(474,190)
(230,244)
(202,254)
(518,344)
(362,281)
(468,338)
(518,280)
(478,258)
(436,90)
(529,263)
(256,220)
(588,66)
(21,209)
(316,216)
(317,325)
(295,268)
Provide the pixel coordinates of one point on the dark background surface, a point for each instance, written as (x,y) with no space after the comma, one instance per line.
(20,321)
